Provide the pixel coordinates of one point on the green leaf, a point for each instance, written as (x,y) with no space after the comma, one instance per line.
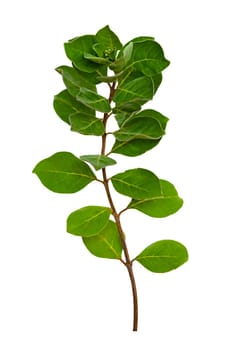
(86,124)
(139,90)
(151,113)
(148,58)
(98,161)
(165,204)
(93,100)
(106,244)
(64,105)
(137,183)
(74,79)
(88,221)
(99,60)
(75,50)
(108,39)
(133,147)
(64,173)
(139,128)
(163,256)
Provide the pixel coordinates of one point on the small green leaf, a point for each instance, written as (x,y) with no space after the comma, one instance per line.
(139,90)
(74,79)
(99,60)
(150,113)
(88,221)
(106,244)
(165,204)
(93,100)
(108,39)
(148,58)
(86,124)
(137,183)
(163,256)
(98,161)
(64,173)
(64,105)
(139,128)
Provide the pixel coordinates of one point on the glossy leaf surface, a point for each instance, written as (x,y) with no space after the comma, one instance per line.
(88,221)
(109,41)
(86,124)
(64,173)
(98,161)
(140,128)
(64,105)
(93,100)
(163,256)
(165,204)
(137,183)
(106,244)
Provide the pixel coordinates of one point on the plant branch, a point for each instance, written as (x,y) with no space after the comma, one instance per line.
(127,262)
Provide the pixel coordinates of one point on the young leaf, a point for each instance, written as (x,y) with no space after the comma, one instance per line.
(108,39)
(64,173)
(148,58)
(99,60)
(74,79)
(86,124)
(88,221)
(106,244)
(163,256)
(165,204)
(64,105)
(137,183)
(139,128)
(93,100)
(98,161)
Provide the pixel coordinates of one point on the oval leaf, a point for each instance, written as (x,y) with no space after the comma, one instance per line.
(88,221)
(86,124)
(74,79)
(106,244)
(108,39)
(137,183)
(133,148)
(165,204)
(64,105)
(64,173)
(139,90)
(93,100)
(163,256)
(148,58)
(139,128)
(98,161)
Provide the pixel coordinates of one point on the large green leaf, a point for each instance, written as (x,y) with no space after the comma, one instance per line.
(163,256)
(64,105)
(86,124)
(165,204)
(64,173)
(75,50)
(98,161)
(106,244)
(74,79)
(134,147)
(93,100)
(109,41)
(137,183)
(88,221)
(139,90)
(148,58)
(139,128)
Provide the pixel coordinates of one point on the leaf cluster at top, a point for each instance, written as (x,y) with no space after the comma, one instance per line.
(136,72)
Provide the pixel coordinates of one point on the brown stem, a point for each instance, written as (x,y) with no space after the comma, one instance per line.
(127,262)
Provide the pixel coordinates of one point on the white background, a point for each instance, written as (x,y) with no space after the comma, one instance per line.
(53,293)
